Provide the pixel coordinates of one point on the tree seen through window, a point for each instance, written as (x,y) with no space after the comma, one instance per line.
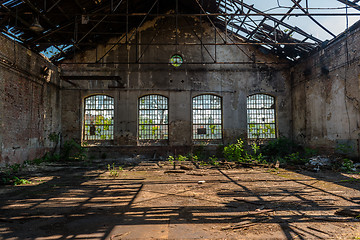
(99,118)
(153,118)
(207,117)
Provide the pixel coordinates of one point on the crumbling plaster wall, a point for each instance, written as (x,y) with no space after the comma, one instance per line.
(198,75)
(326,95)
(29,103)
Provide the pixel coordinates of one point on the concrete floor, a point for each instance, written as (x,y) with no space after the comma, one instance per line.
(147,202)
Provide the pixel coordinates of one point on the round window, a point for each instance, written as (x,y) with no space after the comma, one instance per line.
(176,60)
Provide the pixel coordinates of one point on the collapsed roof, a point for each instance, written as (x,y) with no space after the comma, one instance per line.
(57,28)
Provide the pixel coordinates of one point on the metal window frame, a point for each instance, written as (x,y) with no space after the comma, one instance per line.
(166,125)
(256,108)
(85,137)
(205,124)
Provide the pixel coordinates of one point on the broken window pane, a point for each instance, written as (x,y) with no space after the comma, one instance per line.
(261,116)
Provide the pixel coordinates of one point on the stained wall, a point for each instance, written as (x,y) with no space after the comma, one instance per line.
(228,71)
(29,103)
(326,95)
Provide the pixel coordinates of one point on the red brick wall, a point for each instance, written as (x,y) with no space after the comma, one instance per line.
(30,104)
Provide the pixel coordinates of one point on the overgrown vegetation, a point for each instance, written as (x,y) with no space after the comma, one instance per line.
(281,150)
(236,152)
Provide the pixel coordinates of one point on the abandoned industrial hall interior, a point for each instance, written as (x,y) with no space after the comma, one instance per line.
(179,119)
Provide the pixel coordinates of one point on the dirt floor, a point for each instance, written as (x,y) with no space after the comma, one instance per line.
(146,201)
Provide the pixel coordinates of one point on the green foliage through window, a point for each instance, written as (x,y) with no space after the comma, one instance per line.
(99,118)
(153,117)
(261,116)
(207,117)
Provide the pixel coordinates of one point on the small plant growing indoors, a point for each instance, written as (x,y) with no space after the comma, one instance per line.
(179,158)
(114,171)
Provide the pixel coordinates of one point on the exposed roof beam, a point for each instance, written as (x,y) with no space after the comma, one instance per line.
(136,30)
(97,24)
(11,35)
(351,4)
(139,14)
(71,22)
(243,21)
(50,32)
(27,24)
(256,29)
(296,29)
(54,5)
(288,12)
(83,10)
(212,23)
(48,21)
(60,9)
(313,19)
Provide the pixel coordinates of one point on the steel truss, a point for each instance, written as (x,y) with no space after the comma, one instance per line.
(233,23)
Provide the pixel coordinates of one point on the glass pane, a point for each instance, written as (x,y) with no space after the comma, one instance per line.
(153,117)
(261,116)
(98,119)
(207,118)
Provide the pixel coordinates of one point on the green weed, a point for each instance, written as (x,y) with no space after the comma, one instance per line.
(236,152)
(347,165)
(20,181)
(114,171)
(214,160)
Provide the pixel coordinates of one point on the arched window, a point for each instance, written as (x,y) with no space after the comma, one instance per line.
(261,116)
(153,117)
(207,117)
(99,118)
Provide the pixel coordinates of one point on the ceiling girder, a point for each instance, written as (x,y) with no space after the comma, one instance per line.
(295,29)
(232,16)
(351,4)
(313,19)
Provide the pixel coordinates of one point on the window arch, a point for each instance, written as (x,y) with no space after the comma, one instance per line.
(99,118)
(261,116)
(207,117)
(153,117)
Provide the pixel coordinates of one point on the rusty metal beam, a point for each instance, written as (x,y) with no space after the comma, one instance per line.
(288,12)
(313,19)
(136,30)
(243,21)
(296,29)
(27,24)
(51,32)
(186,44)
(351,4)
(201,42)
(257,28)
(54,5)
(167,63)
(97,24)
(239,14)
(212,23)
(35,9)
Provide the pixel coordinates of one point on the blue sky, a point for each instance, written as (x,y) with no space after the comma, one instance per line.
(336,24)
